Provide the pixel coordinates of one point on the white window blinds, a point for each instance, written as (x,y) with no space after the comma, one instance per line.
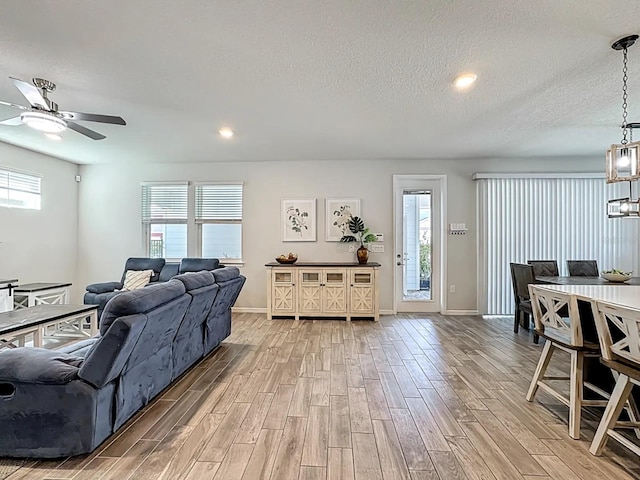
(19,190)
(219,203)
(561,219)
(164,203)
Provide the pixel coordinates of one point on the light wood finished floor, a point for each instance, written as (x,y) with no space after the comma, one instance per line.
(411,397)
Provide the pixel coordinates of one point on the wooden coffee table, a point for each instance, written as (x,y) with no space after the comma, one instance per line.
(47,321)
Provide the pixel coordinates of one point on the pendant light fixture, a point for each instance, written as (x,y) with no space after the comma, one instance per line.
(623,159)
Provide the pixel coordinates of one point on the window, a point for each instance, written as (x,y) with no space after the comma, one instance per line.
(218,215)
(202,220)
(164,217)
(19,190)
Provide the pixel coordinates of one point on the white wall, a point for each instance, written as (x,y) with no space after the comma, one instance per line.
(110,226)
(41,246)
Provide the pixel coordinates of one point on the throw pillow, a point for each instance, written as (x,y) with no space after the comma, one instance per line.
(135,279)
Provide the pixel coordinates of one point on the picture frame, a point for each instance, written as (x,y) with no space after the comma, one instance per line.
(298,218)
(337,213)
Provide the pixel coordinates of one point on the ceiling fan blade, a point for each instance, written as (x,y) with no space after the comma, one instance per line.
(92,117)
(12,121)
(85,131)
(13,105)
(31,93)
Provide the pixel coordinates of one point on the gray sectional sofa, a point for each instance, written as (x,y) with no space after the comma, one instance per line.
(55,403)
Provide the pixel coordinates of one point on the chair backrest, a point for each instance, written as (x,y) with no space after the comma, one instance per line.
(544,268)
(521,276)
(583,268)
(618,331)
(144,263)
(549,308)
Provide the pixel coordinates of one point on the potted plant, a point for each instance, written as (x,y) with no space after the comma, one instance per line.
(360,234)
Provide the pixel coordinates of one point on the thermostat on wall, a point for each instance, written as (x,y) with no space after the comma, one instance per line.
(457,229)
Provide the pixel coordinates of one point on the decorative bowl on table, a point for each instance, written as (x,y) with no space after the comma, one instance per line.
(617,276)
(287,259)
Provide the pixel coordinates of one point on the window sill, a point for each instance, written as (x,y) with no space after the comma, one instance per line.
(232,263)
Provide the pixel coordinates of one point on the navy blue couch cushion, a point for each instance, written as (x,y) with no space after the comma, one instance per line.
(226,274)
(38,365)
(169,271)
(193,280)
(198,264)
(139,301)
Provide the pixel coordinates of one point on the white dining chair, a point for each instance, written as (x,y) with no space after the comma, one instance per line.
(557,320)
(619,335)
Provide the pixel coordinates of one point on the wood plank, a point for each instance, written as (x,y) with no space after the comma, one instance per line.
(359,411)
(414,450)
(321,389)
(392,460)
(312,473)
(202,470)
(316,437)
(277,415)
(235,462)
(339,422)
(263,456)
(301,398)
(252,424)
(340,464)
(287,462)
(216,448)
(443,417)
(469,459)
(429,431)
(447,466)
(366,463)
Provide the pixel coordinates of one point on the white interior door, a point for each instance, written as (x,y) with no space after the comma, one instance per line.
(418,213)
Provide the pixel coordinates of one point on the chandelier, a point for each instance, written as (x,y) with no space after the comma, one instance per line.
(623,159)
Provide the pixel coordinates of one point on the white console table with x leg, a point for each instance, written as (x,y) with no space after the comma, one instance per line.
(32,294)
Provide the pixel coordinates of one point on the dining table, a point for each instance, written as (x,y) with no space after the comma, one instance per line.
(578,280)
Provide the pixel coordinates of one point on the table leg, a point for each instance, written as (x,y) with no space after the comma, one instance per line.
(93,322)
(37,337)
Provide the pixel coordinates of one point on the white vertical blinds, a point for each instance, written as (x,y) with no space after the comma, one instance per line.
(164,203)
(561,219)
(19,190)
(219,203)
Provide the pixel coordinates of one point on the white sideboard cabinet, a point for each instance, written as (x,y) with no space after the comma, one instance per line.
(316,289)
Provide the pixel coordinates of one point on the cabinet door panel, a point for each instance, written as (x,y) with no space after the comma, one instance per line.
(310,291)
(283,295)
(334,299)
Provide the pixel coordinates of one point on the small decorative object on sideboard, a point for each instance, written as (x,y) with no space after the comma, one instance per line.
(287,259)
(616,275)
(360,234)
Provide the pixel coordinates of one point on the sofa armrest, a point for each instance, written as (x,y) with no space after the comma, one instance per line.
(104,287)
(38,365)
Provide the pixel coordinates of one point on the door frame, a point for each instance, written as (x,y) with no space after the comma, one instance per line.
(442,179)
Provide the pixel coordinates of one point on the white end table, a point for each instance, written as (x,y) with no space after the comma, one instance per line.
(41,293)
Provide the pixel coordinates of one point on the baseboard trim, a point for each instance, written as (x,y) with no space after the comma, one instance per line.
(249,309)
(460,312)
(386,312)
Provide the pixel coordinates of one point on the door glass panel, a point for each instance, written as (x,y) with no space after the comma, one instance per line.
(416,275)
(362,278)
(310,277)
(334,278)
(283,277)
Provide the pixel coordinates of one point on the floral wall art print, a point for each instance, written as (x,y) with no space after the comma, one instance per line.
(338,212)
(299,220)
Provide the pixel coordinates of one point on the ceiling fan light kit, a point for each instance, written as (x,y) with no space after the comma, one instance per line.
(43,122)
(622,160)
(43,114)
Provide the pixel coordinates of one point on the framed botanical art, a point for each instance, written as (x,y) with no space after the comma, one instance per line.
(337,213)
(299,220)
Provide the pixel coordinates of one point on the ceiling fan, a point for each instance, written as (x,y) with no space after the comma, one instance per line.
(43,114)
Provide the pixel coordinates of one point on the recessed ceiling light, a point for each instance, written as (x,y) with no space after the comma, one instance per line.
(225,132)
(53,136)
(465,80)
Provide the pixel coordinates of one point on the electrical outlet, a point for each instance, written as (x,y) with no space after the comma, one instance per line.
(452,289)
(379,237)
(377,248)
(352,248)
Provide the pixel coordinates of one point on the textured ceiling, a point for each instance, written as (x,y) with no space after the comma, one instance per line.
(324,79)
